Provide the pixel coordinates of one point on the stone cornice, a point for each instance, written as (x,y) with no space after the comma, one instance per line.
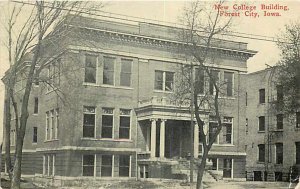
(164,43)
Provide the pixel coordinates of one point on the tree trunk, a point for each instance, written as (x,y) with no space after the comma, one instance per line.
(7,135)
(201,169)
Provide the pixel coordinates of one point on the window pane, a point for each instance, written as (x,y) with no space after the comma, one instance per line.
(88,165)
(124,133)
(124,121)
(106,132)
(107,120)
(88,131)
(108,71)
(261,123)
(279,93)
(125,79)
(126,66)
(106,166)
(297,152)
(214,79)
(36,105)
(169,81)
(90,69)
(200,80)
(279,153)
(158,80)
(124,163)
(89,119)
(228,77)
(261,153)
(298,119)
(261,95)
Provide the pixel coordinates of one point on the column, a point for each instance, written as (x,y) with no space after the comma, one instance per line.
(148,140)
(196,141)
(162,138)
(153,137)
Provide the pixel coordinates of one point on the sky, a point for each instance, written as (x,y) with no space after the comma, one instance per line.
(169,11)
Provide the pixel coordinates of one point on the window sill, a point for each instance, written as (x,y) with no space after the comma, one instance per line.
(161,91)
(261,131)
(227,97)
(260,162)
(297,128)
(116,87)
(90,84)
(225,145)
(52,140)
(35,114)
(34,143)
(108,139)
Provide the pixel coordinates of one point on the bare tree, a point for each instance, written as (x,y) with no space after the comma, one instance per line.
(203,24)
(288,69)
(27,43)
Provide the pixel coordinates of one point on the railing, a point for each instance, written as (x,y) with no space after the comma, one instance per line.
(163,102)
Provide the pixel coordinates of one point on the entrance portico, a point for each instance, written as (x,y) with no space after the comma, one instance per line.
(166,129)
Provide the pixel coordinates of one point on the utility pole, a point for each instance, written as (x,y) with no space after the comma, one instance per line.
(192,125)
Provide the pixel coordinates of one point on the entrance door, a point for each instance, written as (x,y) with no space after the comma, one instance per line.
(227,169)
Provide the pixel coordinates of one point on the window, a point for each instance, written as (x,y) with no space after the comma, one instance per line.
(228,79)
(36,105)
(279,153)
(297,152)
(144,171)
(279,121)
(89,115)
(261,153)
(278,176)
(213,124)
(214,79)
(108,70)
(49,165)
(53,75)
(200,80)
(164,81)
(297,119)
(227,130)
(90,69)
(125,78)
(261,123)
(124,164)
(107,123)
(124,131)
(246,125)
(88,164)
(262,96)
(34,135)
(52,123)
(246,99)
(57,123)
(214,162)
(279,89)
(106,165)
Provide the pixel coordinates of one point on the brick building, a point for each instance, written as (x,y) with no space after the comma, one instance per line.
(108,112)
(273,144)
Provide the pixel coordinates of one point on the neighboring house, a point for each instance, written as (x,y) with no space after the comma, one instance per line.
(108,111)
(273,143)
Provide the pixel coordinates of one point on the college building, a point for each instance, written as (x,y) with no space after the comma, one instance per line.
(108,109)
(273,143)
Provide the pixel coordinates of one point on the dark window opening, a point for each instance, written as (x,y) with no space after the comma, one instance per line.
(36,105)
(228,78)
(262,97)
(279,153)
(107,123)
(106,165)
(297,119)
(34,137)
(213,125)
(89,122)
(227,130)
(124,130)
(125,78)
(214,79)
(88,164)
(261,123)
(297,152)
(108,71)
(124,165)
(200,81)
(90,69)
(278,176)
(279,121)
(261,153)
